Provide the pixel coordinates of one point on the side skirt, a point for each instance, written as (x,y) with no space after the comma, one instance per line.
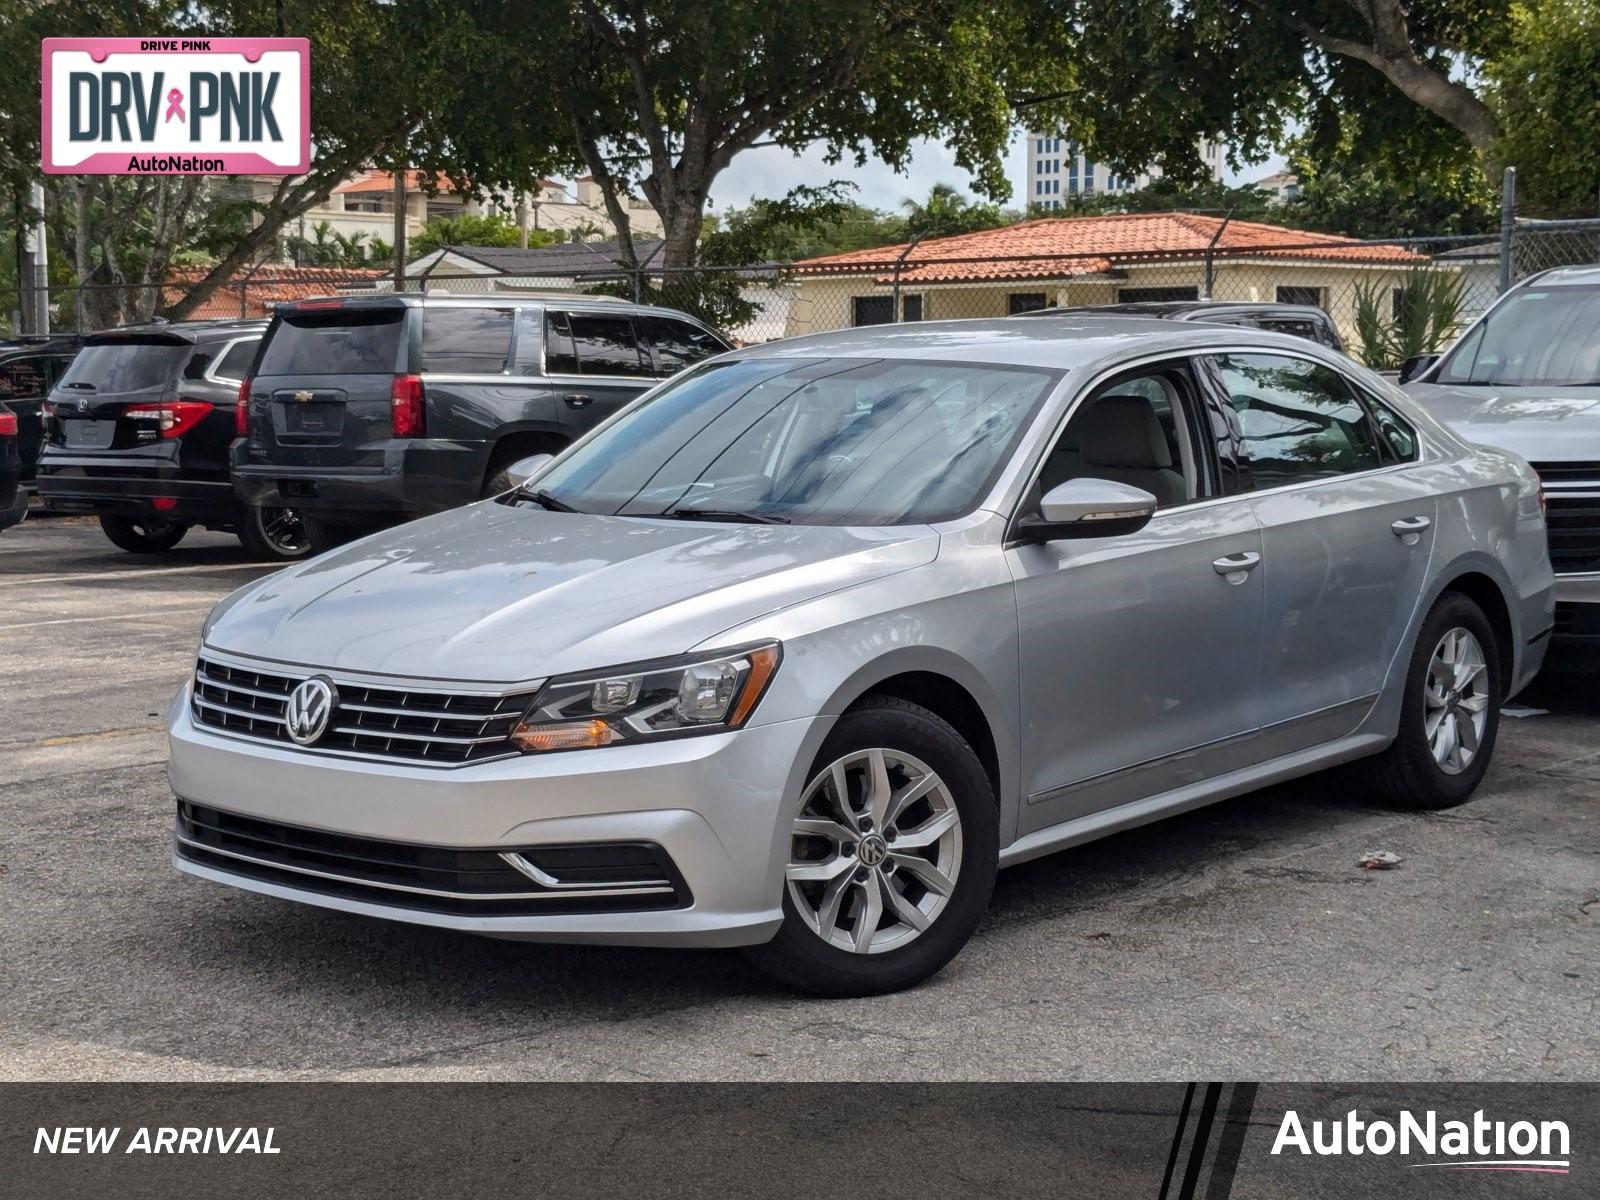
(1196,795)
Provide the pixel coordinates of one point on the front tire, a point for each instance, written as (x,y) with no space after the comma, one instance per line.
(1451,712)
(892,855)
(275,534)
(142,535)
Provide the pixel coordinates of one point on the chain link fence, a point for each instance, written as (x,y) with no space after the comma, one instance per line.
(1388,299)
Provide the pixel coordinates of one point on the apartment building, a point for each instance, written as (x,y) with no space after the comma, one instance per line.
(1059,170)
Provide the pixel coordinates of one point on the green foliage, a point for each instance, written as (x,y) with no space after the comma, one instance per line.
(1425,316)
(946,212)
(1545,88)
(477,229)
(326,247)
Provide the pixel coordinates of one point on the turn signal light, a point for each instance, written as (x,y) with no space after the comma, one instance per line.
(578,735)
(175,418)
(405,406)
(241,411)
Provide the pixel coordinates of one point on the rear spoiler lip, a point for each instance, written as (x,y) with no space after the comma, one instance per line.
(313,304)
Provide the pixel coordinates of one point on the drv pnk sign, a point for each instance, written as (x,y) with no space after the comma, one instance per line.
(177,106)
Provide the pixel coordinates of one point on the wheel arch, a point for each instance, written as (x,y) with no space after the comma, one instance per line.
(521,440)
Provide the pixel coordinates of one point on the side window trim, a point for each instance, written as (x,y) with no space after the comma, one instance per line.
(212,372)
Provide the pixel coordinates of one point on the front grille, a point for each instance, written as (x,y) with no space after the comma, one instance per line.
(1572,514)
(586,877)
(440,728)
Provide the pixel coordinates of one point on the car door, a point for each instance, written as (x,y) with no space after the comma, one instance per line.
(1138,654)
(1346,530)
(595,363)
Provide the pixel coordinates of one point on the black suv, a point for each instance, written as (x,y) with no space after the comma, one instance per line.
(137,431)
(29,368)
(370,410)
(1302,320)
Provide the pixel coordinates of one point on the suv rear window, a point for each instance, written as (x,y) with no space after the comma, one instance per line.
(466,341)
(340,342)
(125,365)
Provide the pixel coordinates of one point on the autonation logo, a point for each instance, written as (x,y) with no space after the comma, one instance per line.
(1476,1145)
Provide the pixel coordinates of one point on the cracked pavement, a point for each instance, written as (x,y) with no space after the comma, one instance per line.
(1241,941)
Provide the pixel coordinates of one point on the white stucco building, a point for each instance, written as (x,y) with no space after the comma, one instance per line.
(1058,170)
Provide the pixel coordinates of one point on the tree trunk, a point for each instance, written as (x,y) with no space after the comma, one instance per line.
(82,266)
(1454,103)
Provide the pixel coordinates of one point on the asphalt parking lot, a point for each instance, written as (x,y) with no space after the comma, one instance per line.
(1243,941)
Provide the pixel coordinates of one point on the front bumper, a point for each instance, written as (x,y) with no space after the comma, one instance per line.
(716,806)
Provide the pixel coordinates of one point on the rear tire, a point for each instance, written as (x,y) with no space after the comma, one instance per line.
(275,534)
(1451,712)
(142,535)
(870,906)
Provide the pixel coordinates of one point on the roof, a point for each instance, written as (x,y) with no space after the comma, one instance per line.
(383,181)
(264,287)
(1051,247)
(1072,341)
(564,259)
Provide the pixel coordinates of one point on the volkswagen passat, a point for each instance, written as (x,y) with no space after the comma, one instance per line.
(801,646)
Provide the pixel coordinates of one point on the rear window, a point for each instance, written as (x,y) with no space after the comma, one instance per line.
(344,342)
(125,366)
(466,341)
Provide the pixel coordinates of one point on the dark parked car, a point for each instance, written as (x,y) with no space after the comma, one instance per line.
(371,410)
(137,431)
(1302,320)
(29,368)
(13,499)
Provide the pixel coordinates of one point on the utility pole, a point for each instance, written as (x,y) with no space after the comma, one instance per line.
(400,229)
(39,253)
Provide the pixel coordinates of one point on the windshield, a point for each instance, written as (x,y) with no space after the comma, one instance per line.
(810,442)
(1540,337)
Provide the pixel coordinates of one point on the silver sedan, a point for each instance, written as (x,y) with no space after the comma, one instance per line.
(798,649)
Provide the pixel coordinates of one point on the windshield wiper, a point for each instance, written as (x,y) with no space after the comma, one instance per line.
(545,500)
(723,514)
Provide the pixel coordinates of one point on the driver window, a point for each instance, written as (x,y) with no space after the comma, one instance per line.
(1131,431)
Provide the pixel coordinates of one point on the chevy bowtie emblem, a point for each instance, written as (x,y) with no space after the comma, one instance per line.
(302,397)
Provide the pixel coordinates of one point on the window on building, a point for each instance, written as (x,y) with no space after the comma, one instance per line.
(1156,295)
(879,310)
(1021,302)
(1397,302)
(1300,295)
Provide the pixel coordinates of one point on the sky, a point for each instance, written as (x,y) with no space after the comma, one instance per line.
(772,171)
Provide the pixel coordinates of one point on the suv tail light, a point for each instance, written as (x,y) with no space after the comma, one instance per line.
(175,417)
(8,424)
(241,410)
(405,406)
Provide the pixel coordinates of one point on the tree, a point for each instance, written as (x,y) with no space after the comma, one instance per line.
(946,212)
(1149,78)
(659,96)
(478,229)
(1545,87)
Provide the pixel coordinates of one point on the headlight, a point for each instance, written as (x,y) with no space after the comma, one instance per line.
(651,700)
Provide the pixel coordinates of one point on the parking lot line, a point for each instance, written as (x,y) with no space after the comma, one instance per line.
(195,569)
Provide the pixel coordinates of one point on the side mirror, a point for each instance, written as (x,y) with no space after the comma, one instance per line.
(1089,508)
(1416,365)
(525,469)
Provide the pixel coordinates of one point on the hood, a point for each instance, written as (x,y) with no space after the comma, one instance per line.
(1555,424)
(503,594)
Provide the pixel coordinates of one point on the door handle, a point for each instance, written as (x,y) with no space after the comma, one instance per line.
(1235,567)
(578,401)
(1410,525)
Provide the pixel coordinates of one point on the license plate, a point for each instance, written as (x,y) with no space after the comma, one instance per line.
(91,434)
(313,417)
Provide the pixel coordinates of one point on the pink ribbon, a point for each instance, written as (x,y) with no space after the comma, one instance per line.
(175,105)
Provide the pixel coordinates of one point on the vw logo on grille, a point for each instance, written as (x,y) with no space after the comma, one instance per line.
(309,709)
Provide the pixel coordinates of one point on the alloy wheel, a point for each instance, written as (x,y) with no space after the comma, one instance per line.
(1456,700)
(876,851)
(283,530)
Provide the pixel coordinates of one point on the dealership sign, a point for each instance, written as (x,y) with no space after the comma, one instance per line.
(177,106)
